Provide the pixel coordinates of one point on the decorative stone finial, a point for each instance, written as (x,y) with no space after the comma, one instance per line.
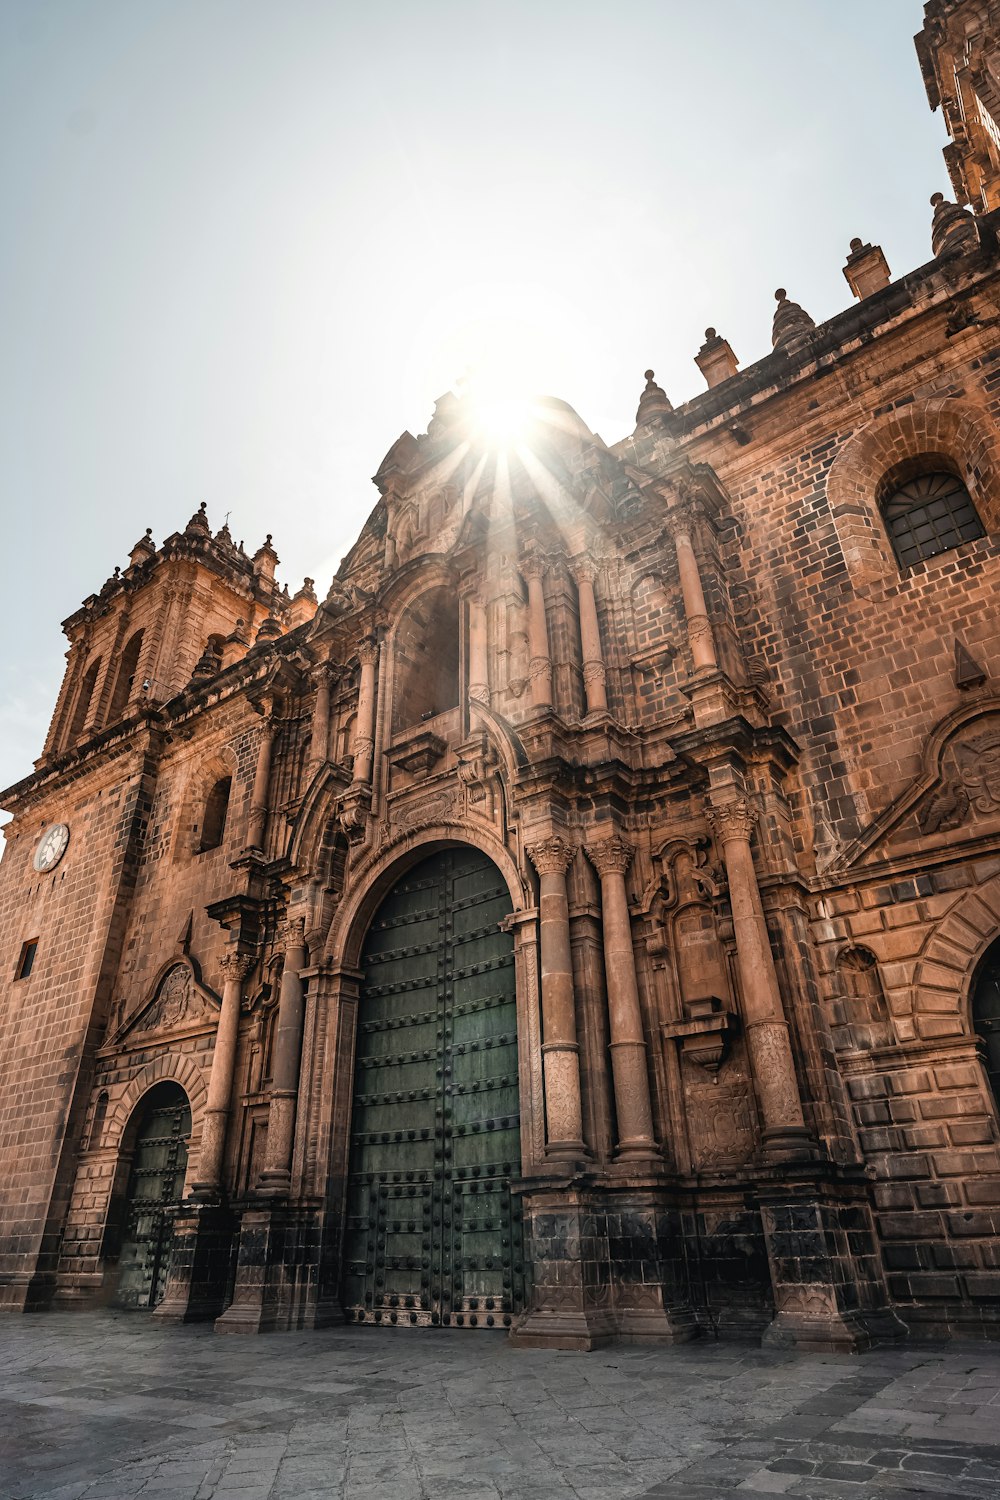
(653,404)
(268,630)
(207,666)
(791,321)
(223,535)
(953,230)
(198,524)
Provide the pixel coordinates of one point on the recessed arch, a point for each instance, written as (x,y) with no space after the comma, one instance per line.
(953,433)
(373,880)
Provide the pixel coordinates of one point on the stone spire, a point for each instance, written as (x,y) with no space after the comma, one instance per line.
(791,321)
(653,404)
(953,229)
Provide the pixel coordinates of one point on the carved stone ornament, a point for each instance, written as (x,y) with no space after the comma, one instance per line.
(973,785)
(732,820)
(534,564)
(478,764)
(172,1002)
(368,651)
(436,808)
(236,966)
(353,812)
(552,856)
(292,933)
(610,856)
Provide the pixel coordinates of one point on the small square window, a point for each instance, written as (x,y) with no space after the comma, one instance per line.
(26,962)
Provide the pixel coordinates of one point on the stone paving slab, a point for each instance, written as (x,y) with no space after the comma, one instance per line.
(109,1406)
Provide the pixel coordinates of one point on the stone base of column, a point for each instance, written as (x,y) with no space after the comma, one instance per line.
(649,1275)
(278,1267)
(571,1304)
(826,1270)
(199,1264)
(606,1264)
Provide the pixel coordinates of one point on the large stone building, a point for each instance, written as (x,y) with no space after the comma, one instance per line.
(584,921)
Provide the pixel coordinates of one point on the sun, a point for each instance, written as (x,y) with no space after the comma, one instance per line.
(500,421)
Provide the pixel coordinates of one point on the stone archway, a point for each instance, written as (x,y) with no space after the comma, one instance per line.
(432,1234)
(158,1139)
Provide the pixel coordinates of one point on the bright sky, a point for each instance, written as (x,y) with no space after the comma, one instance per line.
(248,242)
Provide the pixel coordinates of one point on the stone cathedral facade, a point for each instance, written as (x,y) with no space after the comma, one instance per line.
(585,920)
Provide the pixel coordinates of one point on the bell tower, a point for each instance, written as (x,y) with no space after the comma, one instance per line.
(959,51)
(177,613)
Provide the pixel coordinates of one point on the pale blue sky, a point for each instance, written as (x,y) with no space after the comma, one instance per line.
(246,244)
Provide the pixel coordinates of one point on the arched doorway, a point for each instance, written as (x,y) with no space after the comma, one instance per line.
(986,1014)
(432,1234)
(156,1182)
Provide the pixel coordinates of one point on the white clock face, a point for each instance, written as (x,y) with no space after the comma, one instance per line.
(51,847)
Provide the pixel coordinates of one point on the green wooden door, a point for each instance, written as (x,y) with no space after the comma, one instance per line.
(432,1234)
(154,1192)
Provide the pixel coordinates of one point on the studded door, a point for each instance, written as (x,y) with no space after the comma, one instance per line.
(432,1233)
(154,1192)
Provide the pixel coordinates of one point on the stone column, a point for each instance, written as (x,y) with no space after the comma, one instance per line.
(699,628)
(235,968)
(584,571)
(540,665)
(261,781)
(363,747)
(785,1134)
(611,857)
(552,857)
(319,743)
(479,685)
(276,1178)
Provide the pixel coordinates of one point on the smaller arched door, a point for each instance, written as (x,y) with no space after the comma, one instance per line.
(155,1186)
(986,1014)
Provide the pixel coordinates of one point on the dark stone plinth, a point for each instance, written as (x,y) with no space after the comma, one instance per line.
(826,1270)
(606,1263)
(200,1258)
(278,1262)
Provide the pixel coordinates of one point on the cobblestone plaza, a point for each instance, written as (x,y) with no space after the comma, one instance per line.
(108,1406)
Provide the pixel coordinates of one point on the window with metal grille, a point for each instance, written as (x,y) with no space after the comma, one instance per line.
(930,513)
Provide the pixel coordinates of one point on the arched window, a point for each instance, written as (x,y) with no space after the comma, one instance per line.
(426,659)
(986,1014)
(927,510)
(125,681)
(83,700)
(213,823)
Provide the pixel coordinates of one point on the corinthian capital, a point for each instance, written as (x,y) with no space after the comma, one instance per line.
(583,568)
(610,856)
(236,966)
(292,933)
(732,820)
(682,519)
(552,856)
(534,564)
(368,651)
